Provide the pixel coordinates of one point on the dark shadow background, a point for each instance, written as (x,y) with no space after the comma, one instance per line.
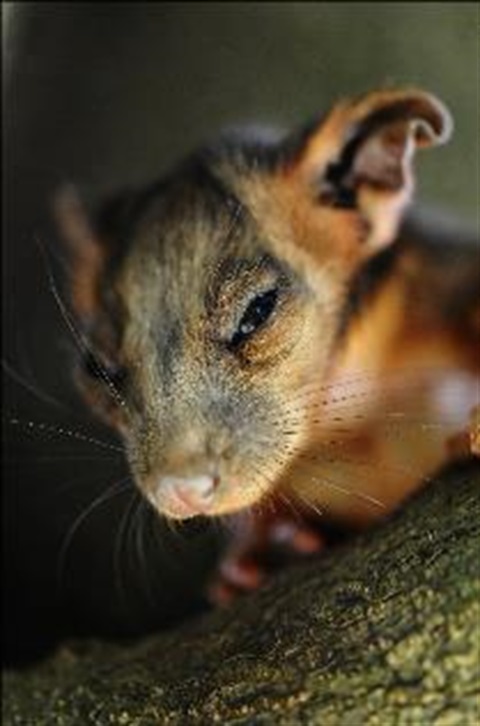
(111,94)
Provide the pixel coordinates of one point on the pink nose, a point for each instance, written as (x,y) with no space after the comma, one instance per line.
(186,496)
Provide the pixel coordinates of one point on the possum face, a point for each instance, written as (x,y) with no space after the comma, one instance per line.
(211,332)
(216,303)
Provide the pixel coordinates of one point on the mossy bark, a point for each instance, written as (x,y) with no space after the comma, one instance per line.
(382,630)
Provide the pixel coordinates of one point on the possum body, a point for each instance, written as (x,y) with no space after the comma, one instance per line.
(264,324)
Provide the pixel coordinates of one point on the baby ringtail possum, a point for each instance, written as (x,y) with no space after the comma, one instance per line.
(268,335)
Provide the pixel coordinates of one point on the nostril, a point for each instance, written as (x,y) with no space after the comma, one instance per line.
(196,489)
(186,495)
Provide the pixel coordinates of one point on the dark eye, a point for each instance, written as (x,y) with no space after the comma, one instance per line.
(97,369)
(256,314)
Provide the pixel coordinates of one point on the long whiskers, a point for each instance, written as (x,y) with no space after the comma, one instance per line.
(31,387)
(119,541)
(328,482)
(138,530)
(339,392)
(78,337)
(40,426)
(112,491)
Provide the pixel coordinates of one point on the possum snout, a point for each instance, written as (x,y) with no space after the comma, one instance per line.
(204,465)
(192,473)
(183,497)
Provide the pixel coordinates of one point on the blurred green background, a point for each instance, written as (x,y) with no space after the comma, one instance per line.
(111,94)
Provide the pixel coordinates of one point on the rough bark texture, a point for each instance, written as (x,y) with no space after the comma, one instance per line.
(383,630)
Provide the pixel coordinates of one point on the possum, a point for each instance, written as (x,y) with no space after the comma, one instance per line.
(273,335)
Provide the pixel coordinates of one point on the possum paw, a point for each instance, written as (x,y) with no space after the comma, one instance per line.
(474,431)
(466,442)
(264,547)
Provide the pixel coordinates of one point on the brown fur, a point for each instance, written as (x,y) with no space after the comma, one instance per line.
(304,405)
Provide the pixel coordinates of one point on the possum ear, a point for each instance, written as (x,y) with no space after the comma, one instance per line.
(92,242)
(85,252)
(361,155)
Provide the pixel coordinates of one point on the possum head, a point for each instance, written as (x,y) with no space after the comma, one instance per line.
(212,300)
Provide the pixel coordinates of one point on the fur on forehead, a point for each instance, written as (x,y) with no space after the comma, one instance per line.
(322,199)
(335,192)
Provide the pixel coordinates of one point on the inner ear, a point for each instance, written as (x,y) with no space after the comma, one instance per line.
(361,156)
(374,157)
(377,153)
